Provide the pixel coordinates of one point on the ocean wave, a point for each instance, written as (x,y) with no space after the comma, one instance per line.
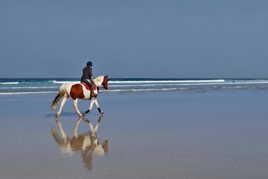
(130,90)
(111,82)
(207,88)
(30,87)
(146,81)
(24,93)
(165,81)
(62,82)
(142,90)
(248,82)
(40,86)
(9,83)
(189,84)
(117,83)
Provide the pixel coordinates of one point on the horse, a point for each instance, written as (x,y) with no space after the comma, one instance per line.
(87,143)
(79,91)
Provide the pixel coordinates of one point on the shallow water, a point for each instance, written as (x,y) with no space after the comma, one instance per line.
(216,134)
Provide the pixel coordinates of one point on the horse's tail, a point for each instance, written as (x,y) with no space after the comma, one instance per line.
(57,98)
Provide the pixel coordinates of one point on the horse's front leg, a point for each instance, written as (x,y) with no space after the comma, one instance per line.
(90,106)
(98,106)
(75,102)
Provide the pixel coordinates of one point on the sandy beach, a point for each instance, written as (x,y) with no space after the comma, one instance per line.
(189,135)
(183,86)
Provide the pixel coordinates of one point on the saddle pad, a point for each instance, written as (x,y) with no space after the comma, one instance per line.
(88,87)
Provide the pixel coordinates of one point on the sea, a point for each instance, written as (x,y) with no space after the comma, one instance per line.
(18,86)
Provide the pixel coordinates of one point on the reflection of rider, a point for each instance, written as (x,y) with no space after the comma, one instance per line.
(87,76)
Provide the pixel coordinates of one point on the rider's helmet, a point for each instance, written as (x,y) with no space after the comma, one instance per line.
(89,63)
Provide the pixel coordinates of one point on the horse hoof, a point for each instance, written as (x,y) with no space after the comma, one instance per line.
(87,111)
(86,120)
(83,115)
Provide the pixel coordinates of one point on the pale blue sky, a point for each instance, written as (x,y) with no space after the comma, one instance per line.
(153,38)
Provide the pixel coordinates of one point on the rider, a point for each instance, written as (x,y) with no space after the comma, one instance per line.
(87,76)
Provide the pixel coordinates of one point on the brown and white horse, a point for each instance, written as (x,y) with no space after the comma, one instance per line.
(79,91)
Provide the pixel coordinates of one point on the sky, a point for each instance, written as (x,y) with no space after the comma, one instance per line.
(141,38)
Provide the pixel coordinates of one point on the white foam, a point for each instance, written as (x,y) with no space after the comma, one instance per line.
(167,81)
(152,85)
(62,82)
(141,90)
(9,83)
(249,82)
(150,81)
(30,87)
(189,84)
(19,93)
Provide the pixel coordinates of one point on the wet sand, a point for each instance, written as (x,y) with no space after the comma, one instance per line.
(215,134)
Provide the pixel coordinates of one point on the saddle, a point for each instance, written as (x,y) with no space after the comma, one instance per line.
(92,90)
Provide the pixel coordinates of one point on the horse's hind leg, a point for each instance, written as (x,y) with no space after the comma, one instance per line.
(61,105)
(75,102)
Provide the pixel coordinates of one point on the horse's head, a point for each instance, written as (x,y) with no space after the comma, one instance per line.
(105,82)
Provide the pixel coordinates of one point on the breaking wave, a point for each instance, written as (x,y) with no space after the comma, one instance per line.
(44,86)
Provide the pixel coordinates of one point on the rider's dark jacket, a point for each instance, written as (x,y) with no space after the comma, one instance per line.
(86,74)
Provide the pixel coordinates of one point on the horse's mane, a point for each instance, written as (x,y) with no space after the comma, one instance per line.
(98,80)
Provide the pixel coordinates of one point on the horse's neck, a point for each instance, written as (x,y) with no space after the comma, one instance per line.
(98,81)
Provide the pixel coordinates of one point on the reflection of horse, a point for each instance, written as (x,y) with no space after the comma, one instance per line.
(79,91)
(86,143)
